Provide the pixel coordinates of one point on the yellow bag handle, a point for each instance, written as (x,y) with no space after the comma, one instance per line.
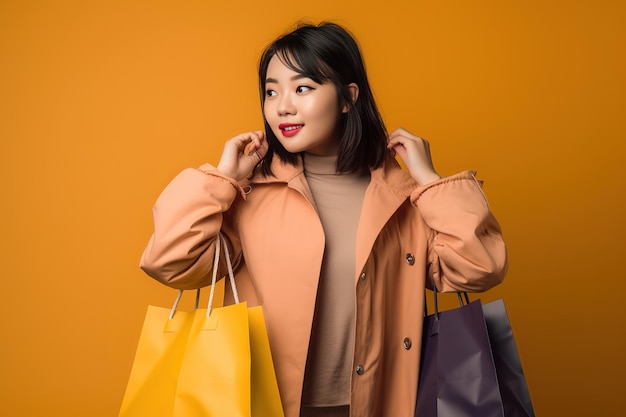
(219,241)
(218,244)
(178,297)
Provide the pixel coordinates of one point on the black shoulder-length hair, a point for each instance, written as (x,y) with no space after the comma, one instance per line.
(328,53)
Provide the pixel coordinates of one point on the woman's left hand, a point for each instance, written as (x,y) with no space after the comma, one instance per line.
(415,153)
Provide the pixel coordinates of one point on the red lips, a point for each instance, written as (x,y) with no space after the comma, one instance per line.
(290,129)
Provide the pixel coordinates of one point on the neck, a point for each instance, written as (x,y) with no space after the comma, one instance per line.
(320,164)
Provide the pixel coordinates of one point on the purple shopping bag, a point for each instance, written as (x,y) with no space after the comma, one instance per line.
(511,379)
(470,365)
(458,376)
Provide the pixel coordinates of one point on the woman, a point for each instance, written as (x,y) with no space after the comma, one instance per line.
(328,233)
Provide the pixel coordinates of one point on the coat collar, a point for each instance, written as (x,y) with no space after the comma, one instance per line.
(390,187)
(389,176)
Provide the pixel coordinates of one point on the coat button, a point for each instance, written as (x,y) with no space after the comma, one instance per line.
(363,276)
(360,369)
(407,343)
(410,259)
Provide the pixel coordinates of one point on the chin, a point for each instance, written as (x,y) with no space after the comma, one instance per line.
(292,149)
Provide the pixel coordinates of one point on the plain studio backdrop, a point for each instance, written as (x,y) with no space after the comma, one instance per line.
(102,103)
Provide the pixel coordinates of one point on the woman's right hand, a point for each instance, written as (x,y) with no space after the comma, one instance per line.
(242,153)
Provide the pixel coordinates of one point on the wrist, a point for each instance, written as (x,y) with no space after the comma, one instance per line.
(425,178)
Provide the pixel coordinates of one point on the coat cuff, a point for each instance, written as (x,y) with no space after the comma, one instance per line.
(213,171)
(461,176)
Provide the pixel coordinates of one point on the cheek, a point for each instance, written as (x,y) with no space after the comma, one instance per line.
(315,109)
(327,113)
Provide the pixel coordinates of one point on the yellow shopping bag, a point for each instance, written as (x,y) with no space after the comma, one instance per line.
(236,377)
(207,362)
(215,373)
(228,368)
(154,376)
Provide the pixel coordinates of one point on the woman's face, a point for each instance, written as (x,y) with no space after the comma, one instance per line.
(303,114)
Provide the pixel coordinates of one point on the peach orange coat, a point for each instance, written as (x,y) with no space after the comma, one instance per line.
(407,236)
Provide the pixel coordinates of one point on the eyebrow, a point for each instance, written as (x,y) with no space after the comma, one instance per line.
(294,78)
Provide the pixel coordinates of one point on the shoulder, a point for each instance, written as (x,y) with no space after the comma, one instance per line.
(392,177)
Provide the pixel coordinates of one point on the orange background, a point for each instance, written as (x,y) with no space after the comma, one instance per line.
(102,103)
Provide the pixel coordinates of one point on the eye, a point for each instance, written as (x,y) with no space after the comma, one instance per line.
(304,89)
(270,93)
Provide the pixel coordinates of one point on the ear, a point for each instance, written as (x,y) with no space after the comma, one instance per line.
(354,94)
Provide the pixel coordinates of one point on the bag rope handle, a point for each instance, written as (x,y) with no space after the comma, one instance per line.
(462,296)
(219,242)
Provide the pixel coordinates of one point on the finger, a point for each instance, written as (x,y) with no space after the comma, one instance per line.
(403,136)
(254,140)
(262,151)
(393,135)
(412,140)
(398,140)
(259,138)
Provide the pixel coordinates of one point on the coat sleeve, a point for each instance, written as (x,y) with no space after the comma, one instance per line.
(187,216)
(466,249)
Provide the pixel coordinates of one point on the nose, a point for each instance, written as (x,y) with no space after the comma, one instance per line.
(286,105)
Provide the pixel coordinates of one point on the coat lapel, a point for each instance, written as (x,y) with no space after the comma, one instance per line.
(389,188)
(291,175)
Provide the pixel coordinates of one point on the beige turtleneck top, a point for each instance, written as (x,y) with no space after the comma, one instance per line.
(338,199)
